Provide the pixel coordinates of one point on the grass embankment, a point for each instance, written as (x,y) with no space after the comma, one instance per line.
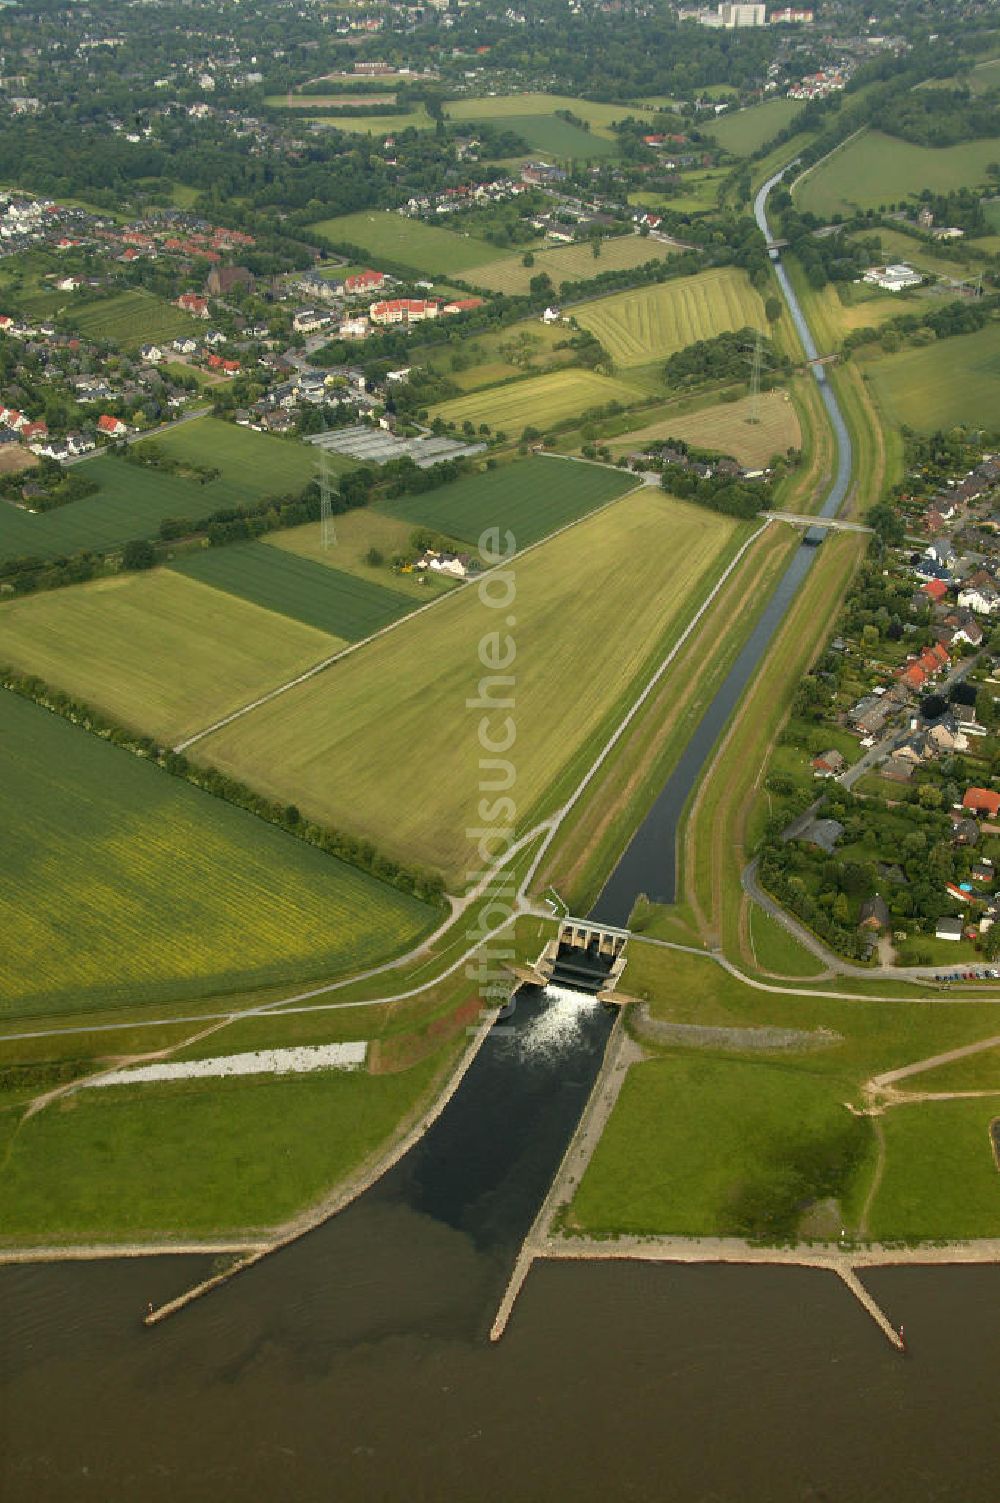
(598,829)
(593,608)
(747,1144)
(198,1157)
(746,131)
(123,884)
(162,653)
(716,844)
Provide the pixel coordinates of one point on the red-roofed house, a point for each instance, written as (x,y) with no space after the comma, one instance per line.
(982,801)
(190,302)
(913,677)
(111,427)
(463,305)
(37,430)
(403,310)
(936,589)
(364,281)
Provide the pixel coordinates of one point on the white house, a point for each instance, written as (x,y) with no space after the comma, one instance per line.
(948,928)
(981,596)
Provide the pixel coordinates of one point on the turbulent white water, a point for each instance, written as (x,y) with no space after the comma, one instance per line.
(560,1023)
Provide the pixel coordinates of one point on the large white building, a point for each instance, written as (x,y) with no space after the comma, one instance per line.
(893,278)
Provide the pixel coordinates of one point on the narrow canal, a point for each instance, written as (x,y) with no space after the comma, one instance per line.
(649,863)
(354,1365)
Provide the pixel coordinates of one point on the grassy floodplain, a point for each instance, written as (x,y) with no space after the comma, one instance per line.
(531,499)
(593,607)
(253,465)
(163,653)
(131,319)
(328,599)
(539,401)
(650,323)
(726,428)
(875,169)
(394,237)
(197,1157)
(554,137)
(569,263)
(937,385)
(122,884)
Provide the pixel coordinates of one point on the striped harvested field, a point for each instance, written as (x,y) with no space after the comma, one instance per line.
(725,427)
(537,402)
(651,323)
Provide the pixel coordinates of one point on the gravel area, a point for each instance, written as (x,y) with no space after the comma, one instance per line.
(260,1062)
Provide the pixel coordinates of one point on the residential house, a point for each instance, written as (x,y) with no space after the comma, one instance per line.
(111,427)
(185,346)
(935,590)
(942,552)
(983,871)
(874,914)
(308,320)
(982,801)
(151,354)
(948,928)
(364,282)
(980,594)
(829,764)
(190,302)
(403,310)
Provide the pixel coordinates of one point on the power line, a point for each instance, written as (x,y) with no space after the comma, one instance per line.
(327,530)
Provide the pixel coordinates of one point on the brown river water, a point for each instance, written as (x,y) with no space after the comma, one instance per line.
(355,1364)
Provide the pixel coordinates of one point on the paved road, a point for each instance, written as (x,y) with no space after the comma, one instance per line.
(884,748)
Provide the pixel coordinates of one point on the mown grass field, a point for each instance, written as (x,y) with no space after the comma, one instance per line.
(196,1157)
(538,402)
(556,138)
(122,884)
(503,107)
(875,169)
(715,1136)
(568,263)
(328,599)
(394,237)
(529,499)
(253,465)
(131,319)
(133,501)
(357,531)
(161,652)
(650,323)
(484,359)
(390,123)
(745,131)
(936,386)
(699,192)
(591,609)
(726,428)
(944,1145)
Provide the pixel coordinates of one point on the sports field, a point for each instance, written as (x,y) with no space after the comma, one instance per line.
(325,598)
(585,612)
(952,381)
(726,428)
(253,465)
(163,653)
(408,242)
(132,319)
(875,169)
(650,323)
(747,130)
(569,263)
(537,402)
(531,499)
(122,884)
(356,532)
